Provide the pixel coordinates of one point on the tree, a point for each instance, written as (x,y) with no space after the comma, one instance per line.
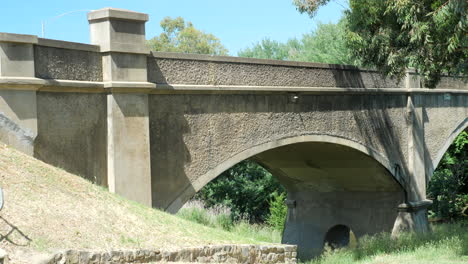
(267,49)
(326,45)
(246,188)
(181,36)
(448,187)
(392,35)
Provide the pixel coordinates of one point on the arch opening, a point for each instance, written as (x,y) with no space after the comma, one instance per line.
(252,153)
(448,184)
(247,189)
(462,127)
(339,236)
(330,183)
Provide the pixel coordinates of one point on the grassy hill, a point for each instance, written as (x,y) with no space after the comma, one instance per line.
(47,209)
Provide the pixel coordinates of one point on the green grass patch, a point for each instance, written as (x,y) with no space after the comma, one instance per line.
(220,217)
(447,243)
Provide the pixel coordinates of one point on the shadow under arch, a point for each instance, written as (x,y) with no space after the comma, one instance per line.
(337,236)
(198,184)
(463,125)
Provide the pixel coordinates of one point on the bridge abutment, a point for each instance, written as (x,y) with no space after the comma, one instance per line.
(18,110)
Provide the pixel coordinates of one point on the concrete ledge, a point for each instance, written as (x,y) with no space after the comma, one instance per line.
(116,13)
(31,83)
(67,45)
(129,85)
(414,206)
(124,48)
(18,38)
(206,254)
(161,88)
(20,80)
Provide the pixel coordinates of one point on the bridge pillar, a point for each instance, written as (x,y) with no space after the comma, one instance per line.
(412,215)
(121,36)
(18,114)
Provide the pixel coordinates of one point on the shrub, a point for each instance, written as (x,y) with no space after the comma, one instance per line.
(278,211)
(246,189)
(218,216)
(448,187)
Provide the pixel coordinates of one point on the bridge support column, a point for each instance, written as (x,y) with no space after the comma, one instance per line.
(18,114)
(128,154)
(412,215)
(121,36)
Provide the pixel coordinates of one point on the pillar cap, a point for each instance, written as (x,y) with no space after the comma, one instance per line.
(116,13)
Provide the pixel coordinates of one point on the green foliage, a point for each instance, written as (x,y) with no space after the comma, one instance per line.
(267,49)
(181,36)
(449,187)
(325,45)
(246,189)
(278,211)
(428,35)
(219,217)
(260,232)
(309,6)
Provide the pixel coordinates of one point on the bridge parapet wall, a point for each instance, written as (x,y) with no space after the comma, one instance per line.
(61,60)
(191,69)
(67,66)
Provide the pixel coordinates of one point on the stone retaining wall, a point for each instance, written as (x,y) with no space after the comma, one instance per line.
(206,254)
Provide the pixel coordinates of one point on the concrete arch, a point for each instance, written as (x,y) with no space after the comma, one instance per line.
(215,172)
(440,154)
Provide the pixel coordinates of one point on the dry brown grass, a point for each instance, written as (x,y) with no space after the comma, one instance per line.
(47,209)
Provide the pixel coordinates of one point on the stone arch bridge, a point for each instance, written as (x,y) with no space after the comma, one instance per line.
(352,147)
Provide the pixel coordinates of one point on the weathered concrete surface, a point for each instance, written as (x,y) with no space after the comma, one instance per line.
(412,217)
(315,213)
(205,131)
(124,67)
(18,119)
(16,55)
(128,153)
(445,116)
(166,68)
(16,59)
(72,133)
(67,64)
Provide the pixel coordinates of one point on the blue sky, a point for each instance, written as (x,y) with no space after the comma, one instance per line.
(237,23)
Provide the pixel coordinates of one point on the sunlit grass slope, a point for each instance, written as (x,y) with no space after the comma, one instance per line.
(47,209)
